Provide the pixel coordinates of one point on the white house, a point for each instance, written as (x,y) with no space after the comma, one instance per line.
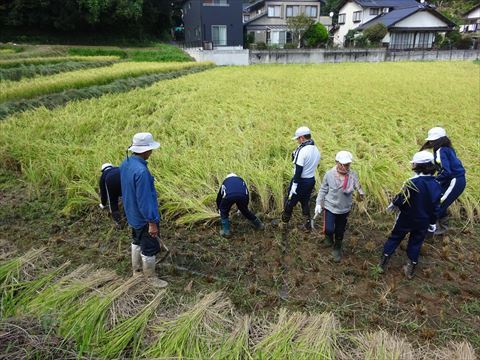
(410,24)
(471,24)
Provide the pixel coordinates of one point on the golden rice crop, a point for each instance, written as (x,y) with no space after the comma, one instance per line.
(242,119)
(28,88)
(8,63)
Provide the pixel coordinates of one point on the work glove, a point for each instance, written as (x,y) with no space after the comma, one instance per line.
(432,228)
(391,207)
(293,190)
(318,210)
(101,206)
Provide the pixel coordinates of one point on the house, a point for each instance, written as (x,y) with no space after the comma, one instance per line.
(410,24)
(218,22)
(471,24)
(265,21)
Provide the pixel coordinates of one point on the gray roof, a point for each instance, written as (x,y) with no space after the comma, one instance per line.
(388,3)
(391,18)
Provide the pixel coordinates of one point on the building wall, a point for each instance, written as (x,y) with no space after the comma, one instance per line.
(230,15)
(282,20)
(348,9)
(422,19)
(475,14)
(191,22)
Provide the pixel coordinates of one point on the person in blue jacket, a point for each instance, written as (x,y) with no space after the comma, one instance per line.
(110,192)
(419,205)
(451,173)
(234,191)
(141,207)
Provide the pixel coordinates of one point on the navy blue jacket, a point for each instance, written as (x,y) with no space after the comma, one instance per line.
(110,185)
(419,201)
(450,166)
(232,187)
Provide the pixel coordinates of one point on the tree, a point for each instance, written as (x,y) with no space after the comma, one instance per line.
(297,25)
(316,35)
(375,33)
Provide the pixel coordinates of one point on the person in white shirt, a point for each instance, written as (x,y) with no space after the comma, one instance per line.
(305,159)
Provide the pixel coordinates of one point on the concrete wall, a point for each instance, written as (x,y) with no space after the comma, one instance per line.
(317,56)
(221,56)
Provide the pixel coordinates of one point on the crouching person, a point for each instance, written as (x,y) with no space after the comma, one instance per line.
(335,198)
(234,191)
(110,192)
(141,207)
(419,205)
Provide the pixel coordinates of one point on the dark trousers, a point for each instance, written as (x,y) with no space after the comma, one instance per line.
(149,245)
(242,205)
(334,224)
(303,195)
(459,184)
(417,231)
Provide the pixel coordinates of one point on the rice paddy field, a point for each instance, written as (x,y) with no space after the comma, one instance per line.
(65,290)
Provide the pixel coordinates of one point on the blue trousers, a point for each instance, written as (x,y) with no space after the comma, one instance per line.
(242,204)
(149,245)
(417,230)
(451,192)
(303,195)
(334,224)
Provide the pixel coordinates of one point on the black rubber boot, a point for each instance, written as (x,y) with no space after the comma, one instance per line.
(286,217)
(383,263)
(258,224)
(337,249)
(328,241)
(409,269)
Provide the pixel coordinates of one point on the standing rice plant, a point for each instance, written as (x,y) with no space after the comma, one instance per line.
(236,346)
(87,322)
(128,333)
(194,334)
(318,339)
(279,343)
(453,351)
(382,346)
(5,64)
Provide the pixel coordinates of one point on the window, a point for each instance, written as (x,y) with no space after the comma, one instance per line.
(215,2)
(276,37)
(246,17)
(357,16)
(274,11)
(374,11)
(311,11)
(293,10)
(385,10)
(289,38)
(219,35)
(341,19)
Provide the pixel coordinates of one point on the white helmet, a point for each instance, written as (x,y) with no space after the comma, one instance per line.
(344,157)
(106,165)
(301,131)
(436,133)
(422,157)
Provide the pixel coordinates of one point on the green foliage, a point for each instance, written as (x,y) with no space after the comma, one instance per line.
(97,52)
(161,53)
(261,45)
(13,63)
(375,33)
(298,25)
(316,35)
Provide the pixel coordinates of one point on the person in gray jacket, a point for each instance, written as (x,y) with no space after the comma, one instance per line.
(335,200)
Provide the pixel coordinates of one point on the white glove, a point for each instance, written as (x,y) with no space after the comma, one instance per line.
(101,206)
(293,190)
(318,210)
(391,207)
(432,228)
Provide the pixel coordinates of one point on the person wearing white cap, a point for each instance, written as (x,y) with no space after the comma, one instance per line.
(141,206)
(305,160)
(419,205)
(451,174)
(335,200)
(111,191)
(234,191)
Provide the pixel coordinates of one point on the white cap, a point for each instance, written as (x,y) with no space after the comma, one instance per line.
(106,165)
(344,157)
(143,142)
(301,131)
(422,157)
(436,133)
(231,175)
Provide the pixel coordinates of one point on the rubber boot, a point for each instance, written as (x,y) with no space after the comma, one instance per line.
(136,259)
(383,263)
(286,217)
(148,264)
(409,269)
(328,241)
(307,226)
(225,231)
(442,226)
(337,249)
(258,224)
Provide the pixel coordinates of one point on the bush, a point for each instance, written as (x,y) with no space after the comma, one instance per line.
(464,43)
(375,33)
(350,37)
(362,41)
(261,45)
(315,35)
(289,46)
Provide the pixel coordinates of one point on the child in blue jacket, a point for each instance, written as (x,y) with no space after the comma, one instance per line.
(451,173)
(419,204)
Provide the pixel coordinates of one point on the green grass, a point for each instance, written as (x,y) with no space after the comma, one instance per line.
(12,63)
(97,52)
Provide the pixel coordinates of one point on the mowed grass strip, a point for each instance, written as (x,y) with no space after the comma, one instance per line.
(241,119)
(11,63)
(30,88)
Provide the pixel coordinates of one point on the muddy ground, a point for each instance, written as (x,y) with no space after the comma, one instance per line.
(441,304)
